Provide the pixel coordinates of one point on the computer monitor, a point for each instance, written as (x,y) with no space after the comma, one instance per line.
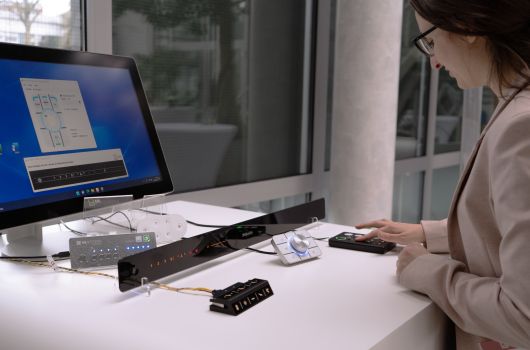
(73,124)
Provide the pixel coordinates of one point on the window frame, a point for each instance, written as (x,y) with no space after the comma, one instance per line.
(99,39)
(432,161)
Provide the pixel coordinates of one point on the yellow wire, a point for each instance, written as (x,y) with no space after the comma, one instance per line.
(185,290)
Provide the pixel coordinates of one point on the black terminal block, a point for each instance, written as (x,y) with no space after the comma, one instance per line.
(373,245)
(240,297)
(245,231)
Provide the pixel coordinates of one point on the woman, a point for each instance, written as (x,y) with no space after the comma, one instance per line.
(484,287)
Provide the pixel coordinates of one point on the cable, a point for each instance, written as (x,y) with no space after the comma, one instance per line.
(79,233)
(151,212)
(188,221)
(226,244)
(204,225)
(106,219)
(184,290)
(261,251)
(59,256)
(318,239)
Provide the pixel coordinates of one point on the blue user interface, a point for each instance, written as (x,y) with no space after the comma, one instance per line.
(69,131)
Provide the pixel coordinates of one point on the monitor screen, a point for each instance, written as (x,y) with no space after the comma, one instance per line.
(74,124)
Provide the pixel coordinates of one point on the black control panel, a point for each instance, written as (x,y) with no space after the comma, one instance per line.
(166,260)
(240,297)
(373,245)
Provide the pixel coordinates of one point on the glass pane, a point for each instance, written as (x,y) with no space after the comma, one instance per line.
(225,81)
(277,204)
(414,79)
(444,182)
(449,115)
(489,102)
(408,197)
(50,23)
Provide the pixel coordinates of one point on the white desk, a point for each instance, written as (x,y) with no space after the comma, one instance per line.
(343,300)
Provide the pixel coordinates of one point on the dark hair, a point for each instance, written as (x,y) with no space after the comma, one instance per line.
(504,23)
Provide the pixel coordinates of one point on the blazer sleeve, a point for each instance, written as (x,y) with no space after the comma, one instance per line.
(435,236)
(495,308)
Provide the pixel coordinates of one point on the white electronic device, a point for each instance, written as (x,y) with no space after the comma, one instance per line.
(167,228)
(101,251)
(295,246)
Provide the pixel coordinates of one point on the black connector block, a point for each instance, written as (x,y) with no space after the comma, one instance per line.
(240,297)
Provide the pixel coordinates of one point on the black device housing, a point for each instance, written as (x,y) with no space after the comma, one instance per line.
(347,240)
(181,255)
(240,297)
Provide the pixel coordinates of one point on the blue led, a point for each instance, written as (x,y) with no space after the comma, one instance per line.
(127,248)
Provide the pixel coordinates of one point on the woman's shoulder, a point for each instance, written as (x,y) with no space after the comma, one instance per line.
(517,110)
(514,120)
(519,105)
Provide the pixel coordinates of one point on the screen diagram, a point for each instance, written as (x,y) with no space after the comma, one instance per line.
(59,115)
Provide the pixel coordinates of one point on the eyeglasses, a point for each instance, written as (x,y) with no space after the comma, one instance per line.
(425,45)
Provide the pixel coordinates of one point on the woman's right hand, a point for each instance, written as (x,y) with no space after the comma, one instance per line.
(391,231)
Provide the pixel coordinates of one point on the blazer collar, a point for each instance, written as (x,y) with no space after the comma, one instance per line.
(501,106)
(456,246)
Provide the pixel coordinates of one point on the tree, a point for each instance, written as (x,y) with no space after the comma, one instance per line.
(27,12)
(164,14)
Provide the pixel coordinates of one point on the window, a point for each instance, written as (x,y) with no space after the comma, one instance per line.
(429,133)
(444,184)
(228,83)
(407,197)
(413,101)
(489,102)
(331,70)
(449,115)
(50,23)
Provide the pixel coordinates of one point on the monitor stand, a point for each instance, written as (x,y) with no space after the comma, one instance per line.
(27,241)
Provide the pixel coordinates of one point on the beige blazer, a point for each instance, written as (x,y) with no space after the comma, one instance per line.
(484,286)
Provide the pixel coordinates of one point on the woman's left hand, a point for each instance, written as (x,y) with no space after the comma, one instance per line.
(408,254)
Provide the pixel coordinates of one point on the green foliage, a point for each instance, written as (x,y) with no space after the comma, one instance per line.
(161,70)
(165,67)
(171,13)
(166,14)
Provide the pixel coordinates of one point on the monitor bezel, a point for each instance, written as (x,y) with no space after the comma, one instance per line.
(53,210)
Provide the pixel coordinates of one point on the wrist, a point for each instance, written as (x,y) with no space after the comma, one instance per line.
(435,235)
